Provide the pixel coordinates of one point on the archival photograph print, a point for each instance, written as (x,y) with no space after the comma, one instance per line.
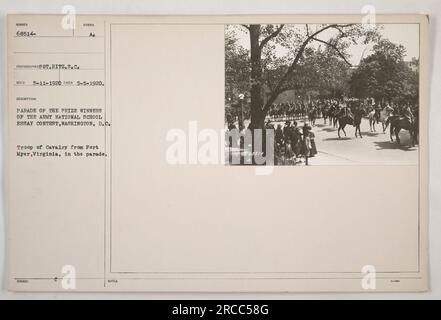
(322,94)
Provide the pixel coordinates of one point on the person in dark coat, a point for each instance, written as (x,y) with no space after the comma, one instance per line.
(279,134)
(287,131)
(313,150)
(306,141)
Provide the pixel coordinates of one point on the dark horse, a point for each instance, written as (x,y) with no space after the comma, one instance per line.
(334,113)
(342,122)
(312,116)
(358,115)
(325,112)
(397,123)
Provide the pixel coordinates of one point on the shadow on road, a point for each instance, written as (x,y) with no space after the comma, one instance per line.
(372,134)
(388,145)
(329,129)
(337,138)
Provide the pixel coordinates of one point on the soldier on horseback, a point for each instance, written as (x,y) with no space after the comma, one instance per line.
(345,111)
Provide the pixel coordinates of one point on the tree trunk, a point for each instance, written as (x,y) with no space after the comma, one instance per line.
(257,114)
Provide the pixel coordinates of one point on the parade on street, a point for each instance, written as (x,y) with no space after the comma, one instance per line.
(330,94)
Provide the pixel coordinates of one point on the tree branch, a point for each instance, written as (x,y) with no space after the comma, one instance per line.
(339,29)
(246,26)
(292,67)
(333,46)
(272,35)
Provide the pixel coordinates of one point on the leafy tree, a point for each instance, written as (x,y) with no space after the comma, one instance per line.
(278,72)
(322,72)
(237,74)
(384,75)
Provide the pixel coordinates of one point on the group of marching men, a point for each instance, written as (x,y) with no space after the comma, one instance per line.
(325,108)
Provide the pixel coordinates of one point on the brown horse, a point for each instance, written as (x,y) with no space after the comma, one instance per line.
(397,123)
(312,116)
(358,115)
(325,114)
(342,122)
(334,117)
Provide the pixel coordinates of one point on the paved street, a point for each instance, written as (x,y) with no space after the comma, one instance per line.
(373,148)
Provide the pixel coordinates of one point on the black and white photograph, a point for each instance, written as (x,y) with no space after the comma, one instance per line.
(258,154)
(322,94)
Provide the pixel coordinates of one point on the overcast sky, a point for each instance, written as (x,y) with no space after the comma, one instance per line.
(404,34)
